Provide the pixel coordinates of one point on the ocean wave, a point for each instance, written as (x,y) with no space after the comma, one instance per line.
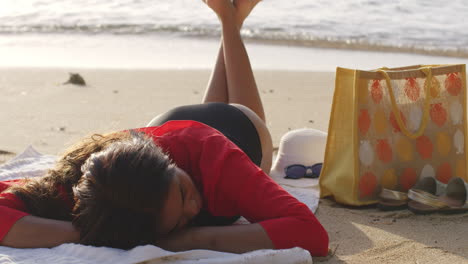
(362,45)
(124,29)
(264,35)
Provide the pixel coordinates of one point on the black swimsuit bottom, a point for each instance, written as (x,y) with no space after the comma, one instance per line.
(227,119)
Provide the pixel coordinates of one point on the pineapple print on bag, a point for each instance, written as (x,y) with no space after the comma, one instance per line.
(388,157)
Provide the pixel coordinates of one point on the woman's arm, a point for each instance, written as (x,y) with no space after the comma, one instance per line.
(35,232)
(234,238)
(233,185)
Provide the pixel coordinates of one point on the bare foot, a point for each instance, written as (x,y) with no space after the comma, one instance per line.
(243,9)
(222,8)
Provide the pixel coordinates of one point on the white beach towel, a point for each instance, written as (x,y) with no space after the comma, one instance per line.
(31,163)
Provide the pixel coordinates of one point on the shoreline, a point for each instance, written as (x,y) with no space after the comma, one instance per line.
(351,46)
(173,52)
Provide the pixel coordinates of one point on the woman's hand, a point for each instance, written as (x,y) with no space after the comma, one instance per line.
(223,8)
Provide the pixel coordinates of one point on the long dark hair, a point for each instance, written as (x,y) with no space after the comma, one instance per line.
(121,193)
(118,181)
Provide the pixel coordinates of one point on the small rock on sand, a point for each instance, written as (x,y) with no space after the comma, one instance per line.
(76,79)
(5,152)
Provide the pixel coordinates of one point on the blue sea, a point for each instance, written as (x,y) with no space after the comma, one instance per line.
(432,27)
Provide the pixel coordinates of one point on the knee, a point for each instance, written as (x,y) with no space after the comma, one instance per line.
(155,121)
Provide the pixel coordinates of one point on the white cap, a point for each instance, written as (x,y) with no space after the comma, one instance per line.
(304,146)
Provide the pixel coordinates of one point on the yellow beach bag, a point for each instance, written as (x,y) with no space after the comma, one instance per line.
(389,127)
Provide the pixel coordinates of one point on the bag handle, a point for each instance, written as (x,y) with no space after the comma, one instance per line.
(396,112)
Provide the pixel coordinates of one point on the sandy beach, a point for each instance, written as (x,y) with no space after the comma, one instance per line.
(37,109)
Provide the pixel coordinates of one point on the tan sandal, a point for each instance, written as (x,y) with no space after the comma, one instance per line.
(391,200)
(455,199)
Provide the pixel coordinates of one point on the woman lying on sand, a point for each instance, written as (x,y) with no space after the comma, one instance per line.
(179,183)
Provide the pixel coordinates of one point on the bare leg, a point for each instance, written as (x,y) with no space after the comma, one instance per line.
(217,90)
(242,88)
(232,80)
(233,77)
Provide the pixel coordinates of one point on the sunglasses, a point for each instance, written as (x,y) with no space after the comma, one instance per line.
(298,171)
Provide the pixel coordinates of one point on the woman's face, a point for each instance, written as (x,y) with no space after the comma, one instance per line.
(183,203)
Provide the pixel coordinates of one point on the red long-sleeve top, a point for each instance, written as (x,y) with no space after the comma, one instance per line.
(230,184)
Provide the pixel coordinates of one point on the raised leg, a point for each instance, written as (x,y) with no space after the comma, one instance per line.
(217,90)
(232,80)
